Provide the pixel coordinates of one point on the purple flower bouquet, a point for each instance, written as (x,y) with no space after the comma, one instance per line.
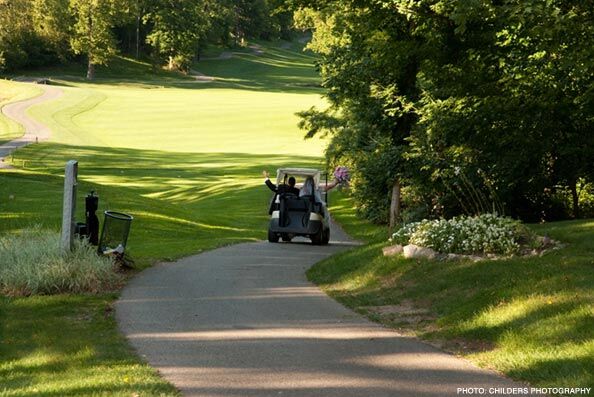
(342,175)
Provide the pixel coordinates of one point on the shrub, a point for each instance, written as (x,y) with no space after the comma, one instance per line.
(487,233)
(32,263)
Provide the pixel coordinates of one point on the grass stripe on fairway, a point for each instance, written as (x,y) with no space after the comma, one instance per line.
(184,158)
(182,120)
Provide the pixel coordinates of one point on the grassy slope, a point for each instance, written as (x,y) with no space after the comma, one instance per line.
(185,159)
(11,92)
(530,318)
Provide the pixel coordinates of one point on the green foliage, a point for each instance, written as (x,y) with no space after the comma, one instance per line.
(502,91)
(33,264)
(177,28)
(93,30)
(484,234)
(36,33)
(29,36)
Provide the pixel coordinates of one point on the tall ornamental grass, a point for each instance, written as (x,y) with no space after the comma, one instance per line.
(32,263)
(484,234)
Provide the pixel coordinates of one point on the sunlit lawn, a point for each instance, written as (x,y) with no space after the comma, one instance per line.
(186,162)
(530,318)
(184,158)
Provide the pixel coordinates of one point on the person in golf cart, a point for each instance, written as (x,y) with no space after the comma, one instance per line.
(288,185)
(309,188)
(303,214)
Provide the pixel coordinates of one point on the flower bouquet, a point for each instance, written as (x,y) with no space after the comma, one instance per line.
(342,175)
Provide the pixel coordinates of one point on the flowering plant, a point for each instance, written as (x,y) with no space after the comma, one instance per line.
(487,233)
(342,174)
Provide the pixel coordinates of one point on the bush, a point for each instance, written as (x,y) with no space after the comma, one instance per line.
(31,263)
(486,234)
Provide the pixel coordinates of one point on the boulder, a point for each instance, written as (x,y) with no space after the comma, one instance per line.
(392,250)
(414,251)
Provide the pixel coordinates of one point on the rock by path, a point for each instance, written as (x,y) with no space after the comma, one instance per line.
(34,130)
(244,321)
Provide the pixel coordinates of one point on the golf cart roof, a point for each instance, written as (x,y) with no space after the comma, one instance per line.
(298,172)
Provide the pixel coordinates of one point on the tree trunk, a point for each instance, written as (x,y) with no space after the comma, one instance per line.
(395,205)
(576,200)
(90,70)
(138,36)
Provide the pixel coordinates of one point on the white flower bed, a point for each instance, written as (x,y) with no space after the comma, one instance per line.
(484,234)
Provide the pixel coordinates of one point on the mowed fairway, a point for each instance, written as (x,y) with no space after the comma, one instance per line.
(184,158)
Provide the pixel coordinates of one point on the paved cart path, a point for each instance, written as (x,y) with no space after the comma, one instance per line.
(244,321)
(34,130)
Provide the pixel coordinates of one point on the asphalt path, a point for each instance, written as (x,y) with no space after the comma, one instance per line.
(34,130)
(244,321)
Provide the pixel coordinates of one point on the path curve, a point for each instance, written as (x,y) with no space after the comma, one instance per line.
(34,130)
(244,321)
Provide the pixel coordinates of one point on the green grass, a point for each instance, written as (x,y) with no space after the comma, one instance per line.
(278,70)
(186,162)
(33,264)
(12,92)
(530,318)
(343,212)
(184,158)
(68,345)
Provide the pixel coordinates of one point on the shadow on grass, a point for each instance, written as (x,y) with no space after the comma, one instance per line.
(182,202)
(69,345)
(534,312)
(72,339)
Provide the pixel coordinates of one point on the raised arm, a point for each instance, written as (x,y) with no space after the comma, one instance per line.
(270,185)
(329,186)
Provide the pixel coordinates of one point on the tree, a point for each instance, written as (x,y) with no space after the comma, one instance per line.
(470,103)
(93,30)
(52,21)
(177,27)
(369,60)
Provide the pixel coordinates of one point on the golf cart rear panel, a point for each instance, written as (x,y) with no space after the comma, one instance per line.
(298,216)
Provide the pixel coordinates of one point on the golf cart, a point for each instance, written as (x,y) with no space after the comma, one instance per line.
(292,215)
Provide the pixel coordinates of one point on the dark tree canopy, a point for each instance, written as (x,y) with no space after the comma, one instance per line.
(475,106)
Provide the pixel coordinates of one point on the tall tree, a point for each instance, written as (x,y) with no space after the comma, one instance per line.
(178,26)
(370,56)
(52,21)
(93,29)
(15,33)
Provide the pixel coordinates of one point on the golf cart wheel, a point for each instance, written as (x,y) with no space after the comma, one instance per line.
(318,238)
(326,236)
(286,238)
(272,237)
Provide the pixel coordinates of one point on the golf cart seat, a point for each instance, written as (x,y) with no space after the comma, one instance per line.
(294,203)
